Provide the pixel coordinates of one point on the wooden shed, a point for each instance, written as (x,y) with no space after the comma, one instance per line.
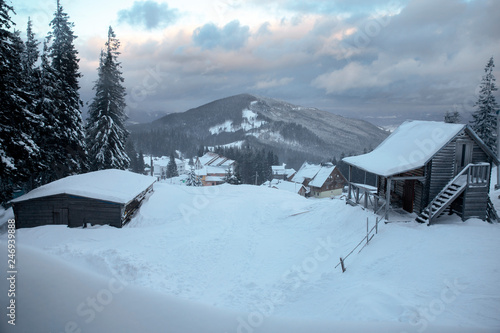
(428,168)
(100,197)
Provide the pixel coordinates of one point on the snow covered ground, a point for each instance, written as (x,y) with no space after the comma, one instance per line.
(254,259)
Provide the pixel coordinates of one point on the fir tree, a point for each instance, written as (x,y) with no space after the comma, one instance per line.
(19,153)
(452,117)
(48,102)
(106,132)
(193,179)
(69,154)
(140,163)
(172,167)
(231,178)
(485,118)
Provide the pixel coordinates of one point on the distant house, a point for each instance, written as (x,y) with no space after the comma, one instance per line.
(100,197)
(281,172)
(287,186)
(160,166)
(323,180)
(213,168)
(428,168)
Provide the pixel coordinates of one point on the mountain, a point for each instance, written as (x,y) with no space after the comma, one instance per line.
(294,133)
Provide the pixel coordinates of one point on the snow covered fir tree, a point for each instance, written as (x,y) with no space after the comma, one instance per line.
(485,117)
(19,153)
(106,132)
(193,179)
(68,153)
(172,167)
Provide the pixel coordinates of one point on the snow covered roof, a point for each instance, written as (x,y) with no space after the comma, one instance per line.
(322,175)
(409,147)
(109,185)
(317,173)
(207,158)
(214,179)
(306,171)
(288,186)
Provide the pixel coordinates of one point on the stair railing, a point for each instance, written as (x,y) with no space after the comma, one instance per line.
(477,175)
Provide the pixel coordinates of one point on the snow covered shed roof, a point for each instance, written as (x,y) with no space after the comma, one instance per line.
(411,146)
(109,185)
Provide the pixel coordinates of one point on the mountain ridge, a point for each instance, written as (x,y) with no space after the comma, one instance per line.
(295,133)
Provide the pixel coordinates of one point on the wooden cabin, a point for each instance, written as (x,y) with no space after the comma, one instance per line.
(100,197)
(428,168)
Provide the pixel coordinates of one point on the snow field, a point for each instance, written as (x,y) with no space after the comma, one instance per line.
(255,259)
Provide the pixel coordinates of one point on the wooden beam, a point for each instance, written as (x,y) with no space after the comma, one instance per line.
(387,198)
(419,178)
(349,193)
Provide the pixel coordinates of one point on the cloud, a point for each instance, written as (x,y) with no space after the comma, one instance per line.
(150,14)
(232,36)
(273,83)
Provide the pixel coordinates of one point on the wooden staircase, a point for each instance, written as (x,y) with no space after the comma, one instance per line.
(444,199)
(473,175)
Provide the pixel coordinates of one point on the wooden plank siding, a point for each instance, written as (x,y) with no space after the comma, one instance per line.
(42,211)
(442,168)
(475,200)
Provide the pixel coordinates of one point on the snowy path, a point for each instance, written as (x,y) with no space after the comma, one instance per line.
(266,253)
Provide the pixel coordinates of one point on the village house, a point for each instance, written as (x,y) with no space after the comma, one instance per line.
(428,168)
(160,166)
(281,172)
(100,197)
(322,180)
(213,168)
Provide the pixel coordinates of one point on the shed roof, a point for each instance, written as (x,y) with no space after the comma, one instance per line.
(409,147)
(109,185)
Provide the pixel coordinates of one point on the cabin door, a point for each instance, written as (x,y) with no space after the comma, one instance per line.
(408,195)
(463,155)
(60,216)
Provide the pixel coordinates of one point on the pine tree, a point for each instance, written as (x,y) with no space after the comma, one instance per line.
(193,179)
(18,151)
(106,132)
(452,117)
(172,167)
(69,154)
(485,118)
(48,102)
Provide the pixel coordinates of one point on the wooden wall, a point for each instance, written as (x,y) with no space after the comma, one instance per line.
(442,169)
(66,209)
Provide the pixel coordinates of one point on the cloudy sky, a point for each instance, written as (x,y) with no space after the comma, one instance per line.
(364,58)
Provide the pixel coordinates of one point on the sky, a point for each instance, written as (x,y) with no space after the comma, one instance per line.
(372,59)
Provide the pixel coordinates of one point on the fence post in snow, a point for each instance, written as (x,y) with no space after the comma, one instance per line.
(342,264)
(367,232)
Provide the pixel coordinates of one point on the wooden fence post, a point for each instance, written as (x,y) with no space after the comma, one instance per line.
(342,264)
(367,232)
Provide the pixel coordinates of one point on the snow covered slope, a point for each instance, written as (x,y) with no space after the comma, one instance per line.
(254,259)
